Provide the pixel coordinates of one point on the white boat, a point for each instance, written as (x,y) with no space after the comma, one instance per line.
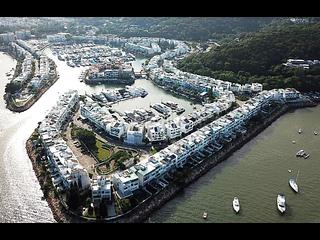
(300,153)
(315,133)
(281,202)
(289,170)
(205,215)
(293,185)
(300,130)
(236,204)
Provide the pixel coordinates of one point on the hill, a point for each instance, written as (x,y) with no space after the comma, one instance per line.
(258,57)
(183,28)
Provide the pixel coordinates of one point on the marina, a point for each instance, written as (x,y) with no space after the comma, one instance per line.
(167,109)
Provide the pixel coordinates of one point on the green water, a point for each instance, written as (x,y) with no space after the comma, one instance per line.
(256,174)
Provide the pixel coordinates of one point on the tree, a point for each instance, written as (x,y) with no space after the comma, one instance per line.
(73,197)
(258,57)
(12,87)
(87,137)
(103,209)
(125,204)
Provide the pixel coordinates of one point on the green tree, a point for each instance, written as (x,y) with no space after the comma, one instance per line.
(73,197)
(87,137)
(12,87)
(103,209)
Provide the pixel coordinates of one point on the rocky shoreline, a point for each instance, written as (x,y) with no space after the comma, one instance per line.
(52,199)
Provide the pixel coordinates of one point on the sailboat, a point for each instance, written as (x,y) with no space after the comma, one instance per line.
(293,183)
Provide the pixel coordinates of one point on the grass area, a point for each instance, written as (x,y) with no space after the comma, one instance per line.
(103,151)
(153,150)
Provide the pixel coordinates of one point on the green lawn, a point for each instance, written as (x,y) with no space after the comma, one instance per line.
(102,152)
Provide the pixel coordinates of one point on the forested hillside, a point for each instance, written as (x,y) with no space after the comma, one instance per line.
(258,57)
(184,28)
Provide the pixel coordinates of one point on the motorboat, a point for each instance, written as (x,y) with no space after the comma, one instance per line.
(236,204)
(289,170)
(205,215)
(281,202)
(300,153)
(315,133)
(180,110)
(300,131)
(293,184)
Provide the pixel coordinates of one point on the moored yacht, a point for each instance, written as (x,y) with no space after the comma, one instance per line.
(300,153)
(293,185)
(205,215)
(300,130)
(281,202)
(236,204)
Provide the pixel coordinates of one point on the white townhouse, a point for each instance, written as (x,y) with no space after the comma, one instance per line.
(256,87)
(125,182)
(101,189)
(117,129)
(186,125)
(172,130)
(135,134)
(67,169)
(156,132)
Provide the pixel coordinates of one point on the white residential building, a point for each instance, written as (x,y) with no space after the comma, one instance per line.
(117,129)
(101,189)
(156,132)
(126,182)
(186,125)
(135,134)
(172,130)
(67,168)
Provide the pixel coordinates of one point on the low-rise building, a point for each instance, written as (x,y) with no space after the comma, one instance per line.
(125,182)
(156,132)
(101,189)
(172,130)
(135,134)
